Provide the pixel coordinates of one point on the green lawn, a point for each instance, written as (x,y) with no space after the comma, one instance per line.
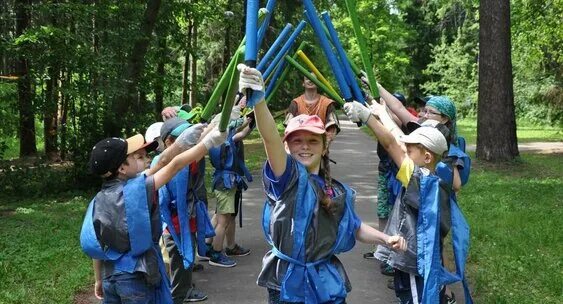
(40,256)
(515,213)
(525,132)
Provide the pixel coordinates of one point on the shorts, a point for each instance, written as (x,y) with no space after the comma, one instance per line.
(226,200)
(383,207)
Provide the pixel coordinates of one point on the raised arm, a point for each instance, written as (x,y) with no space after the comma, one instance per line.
(170,162)
(275,150)
(357,112)
(396,106)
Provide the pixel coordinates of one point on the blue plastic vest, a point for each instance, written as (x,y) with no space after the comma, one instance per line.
(224,159)
(444,171)
(140,236)
(429,258)
(318,281)
(173,198)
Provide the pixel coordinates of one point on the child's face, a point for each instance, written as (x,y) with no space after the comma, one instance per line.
(307,148)
(135,163)
(420,155)
(142,158)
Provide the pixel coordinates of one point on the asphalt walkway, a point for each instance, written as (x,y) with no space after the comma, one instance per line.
(354,153)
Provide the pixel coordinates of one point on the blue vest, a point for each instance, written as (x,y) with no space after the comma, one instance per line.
(318,281)
(444,171)
(173,199)
(140,236)
(226,161)
(429,255)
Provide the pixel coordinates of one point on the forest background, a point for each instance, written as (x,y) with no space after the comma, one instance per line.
(73,72)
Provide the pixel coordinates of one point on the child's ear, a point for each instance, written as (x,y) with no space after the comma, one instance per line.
(286,147)
(428,157)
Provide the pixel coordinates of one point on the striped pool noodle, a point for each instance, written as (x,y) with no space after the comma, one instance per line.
(264,26)
(277,43)
(290,41)
(348,73)
(311,13)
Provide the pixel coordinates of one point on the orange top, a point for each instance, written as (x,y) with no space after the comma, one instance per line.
(319,108)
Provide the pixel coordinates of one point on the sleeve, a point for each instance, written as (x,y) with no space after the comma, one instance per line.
(405,171)
(276,186)
(291,112)
(152,194)
(332,119)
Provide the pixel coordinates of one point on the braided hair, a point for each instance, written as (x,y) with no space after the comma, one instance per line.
(324,172)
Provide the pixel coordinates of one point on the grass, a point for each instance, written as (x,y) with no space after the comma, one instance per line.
(40,256)
(515,213)
(526,132)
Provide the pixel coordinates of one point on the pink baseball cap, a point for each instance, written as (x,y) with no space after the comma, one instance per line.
(310,123)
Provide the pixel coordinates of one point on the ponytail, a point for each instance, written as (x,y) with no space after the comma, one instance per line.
(326,201)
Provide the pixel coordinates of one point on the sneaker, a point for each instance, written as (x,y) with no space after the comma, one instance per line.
(387,270)
(195,296)
(237,251)
(207,253)
(197,267)
(221,260)
(369,255)
(391,284)
(450,299)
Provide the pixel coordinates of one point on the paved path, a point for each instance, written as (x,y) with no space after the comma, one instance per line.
(538,147)
(356,165)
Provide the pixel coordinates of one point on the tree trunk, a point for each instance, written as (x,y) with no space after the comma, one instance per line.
(160,72)
(186,67)
(121,104)
(193,64)
(50,119)
(496,122)
(25,104)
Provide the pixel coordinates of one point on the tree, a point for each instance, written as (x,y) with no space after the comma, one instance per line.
(133,71)
(25,105)
(496,121)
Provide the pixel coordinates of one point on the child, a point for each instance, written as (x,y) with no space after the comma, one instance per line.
(308,217)
(179,208)
(228,184)
(424,213)
(122,224)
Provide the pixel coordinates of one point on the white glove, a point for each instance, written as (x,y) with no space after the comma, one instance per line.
(215,138)
(235,113)
(250,78)
(356,112)
(190,136)
(378,107)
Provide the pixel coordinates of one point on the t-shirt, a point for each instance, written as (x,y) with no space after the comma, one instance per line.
(405,171)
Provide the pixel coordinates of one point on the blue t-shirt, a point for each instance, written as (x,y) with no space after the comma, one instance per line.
(278,185)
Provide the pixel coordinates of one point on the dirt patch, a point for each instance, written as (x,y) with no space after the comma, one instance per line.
(7,212)
(85,297)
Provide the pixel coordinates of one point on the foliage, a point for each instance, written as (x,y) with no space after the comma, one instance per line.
(510,264)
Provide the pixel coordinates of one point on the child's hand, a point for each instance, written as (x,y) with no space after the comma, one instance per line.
(397,243)
(356,112)
(190,136)
(215,138)
(377,107)
(251,78)
(98,290)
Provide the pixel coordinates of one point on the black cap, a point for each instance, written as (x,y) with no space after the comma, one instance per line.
(401,98)
(107,155)
(421,101)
